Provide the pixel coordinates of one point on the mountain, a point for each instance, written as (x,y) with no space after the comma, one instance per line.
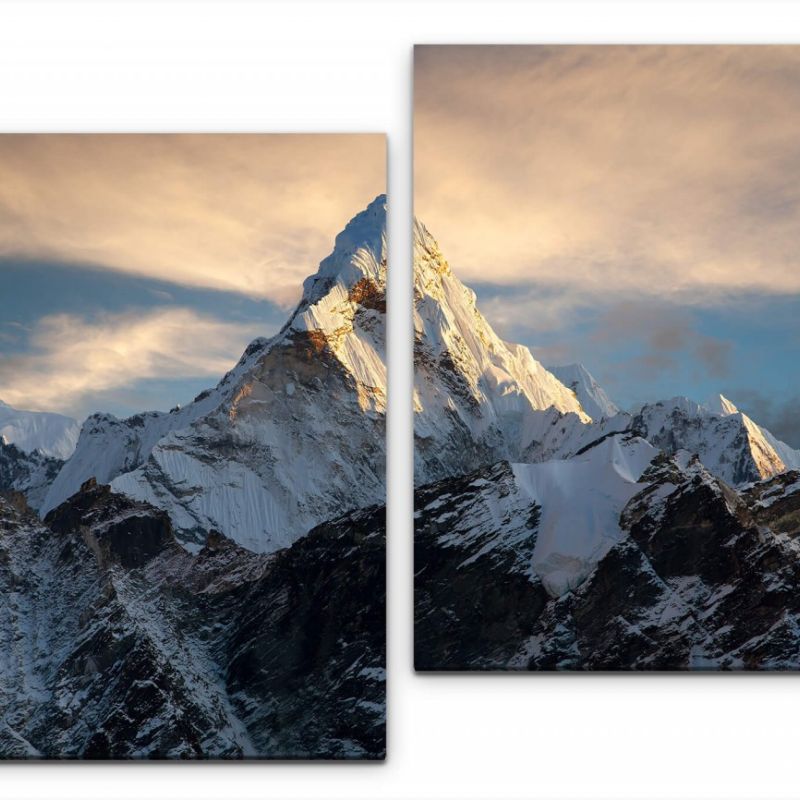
(729,444)
(53,435)
(554,531)
(592,397)
(719,405)
(477,399)
(118,643)
(108,446)
(292,436)
(787,454)
(210,582)
(690,575)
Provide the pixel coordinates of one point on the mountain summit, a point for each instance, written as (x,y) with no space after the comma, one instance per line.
(477,399)
(292,436)
(729,444)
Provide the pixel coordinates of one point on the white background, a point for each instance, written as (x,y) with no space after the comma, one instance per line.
(346,66)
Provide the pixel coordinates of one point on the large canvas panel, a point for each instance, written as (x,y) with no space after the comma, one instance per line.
(205,580)
(619,491)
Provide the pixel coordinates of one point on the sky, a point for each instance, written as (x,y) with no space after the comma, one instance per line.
(635,209)
(135,269)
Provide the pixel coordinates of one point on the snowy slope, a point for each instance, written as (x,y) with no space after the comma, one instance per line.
(477,399)
(592,397)
(108,446)
(571,508)
(581,500)
(297,435)
(54,435)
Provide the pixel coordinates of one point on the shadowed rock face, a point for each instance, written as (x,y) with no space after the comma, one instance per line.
(475,597)
(117,643)
(704,578)
(27,473)
(117,530)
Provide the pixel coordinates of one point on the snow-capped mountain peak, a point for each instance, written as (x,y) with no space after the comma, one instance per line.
(354,271)
(53,435)
(729,444)
(292,436)
(719,404)
(477,398)
(592,397)
(359,253)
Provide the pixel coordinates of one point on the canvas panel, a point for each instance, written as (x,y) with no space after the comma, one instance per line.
(205,580)
(619,490)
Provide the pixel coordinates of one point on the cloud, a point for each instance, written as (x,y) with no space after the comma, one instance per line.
(667,334)
(74,360)
(613,171)
(668,339)
(714,354)
(252,214)
(531,309)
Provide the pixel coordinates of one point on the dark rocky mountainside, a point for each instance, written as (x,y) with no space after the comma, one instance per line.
(704,577)
(116,642)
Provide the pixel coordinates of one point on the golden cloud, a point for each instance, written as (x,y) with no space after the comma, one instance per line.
(73,359)
(252,214)
(672,171)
